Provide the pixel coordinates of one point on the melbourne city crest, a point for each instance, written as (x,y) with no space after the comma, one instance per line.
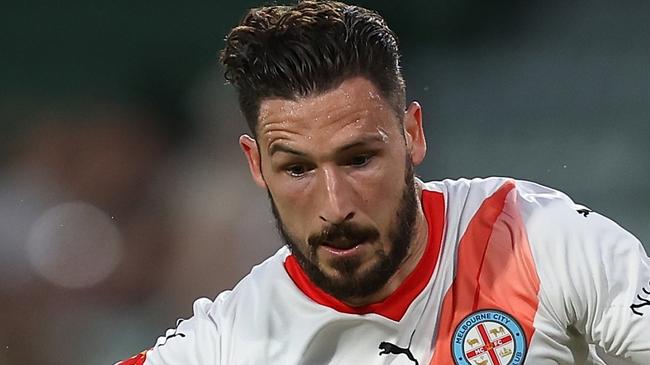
(489,337)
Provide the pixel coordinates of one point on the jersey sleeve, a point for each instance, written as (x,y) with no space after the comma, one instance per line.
(194,341)
(595,276)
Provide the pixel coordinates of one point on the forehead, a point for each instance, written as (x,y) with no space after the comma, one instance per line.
(355,105)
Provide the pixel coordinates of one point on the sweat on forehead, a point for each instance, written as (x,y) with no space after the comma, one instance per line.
(355,101)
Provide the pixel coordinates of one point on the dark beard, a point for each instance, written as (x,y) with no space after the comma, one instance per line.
(350,282)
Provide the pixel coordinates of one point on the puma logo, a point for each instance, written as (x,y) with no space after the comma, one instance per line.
(585,212)
(388,348)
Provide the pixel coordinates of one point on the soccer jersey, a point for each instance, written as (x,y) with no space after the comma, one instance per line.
(513,273)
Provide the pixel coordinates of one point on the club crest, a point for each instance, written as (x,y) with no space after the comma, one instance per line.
(489,337)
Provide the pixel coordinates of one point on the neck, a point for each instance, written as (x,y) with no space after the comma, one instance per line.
(416,251)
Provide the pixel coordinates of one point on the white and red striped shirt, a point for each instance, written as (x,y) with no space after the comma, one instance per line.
(513,273)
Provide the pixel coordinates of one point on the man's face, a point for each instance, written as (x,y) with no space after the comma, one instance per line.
(339,171)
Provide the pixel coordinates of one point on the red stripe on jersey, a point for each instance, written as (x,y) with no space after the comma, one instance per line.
(135,360)
(396,304)
(495,270)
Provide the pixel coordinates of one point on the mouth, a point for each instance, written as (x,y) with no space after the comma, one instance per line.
(343,249)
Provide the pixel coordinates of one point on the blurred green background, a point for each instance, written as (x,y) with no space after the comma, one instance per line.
(123,196)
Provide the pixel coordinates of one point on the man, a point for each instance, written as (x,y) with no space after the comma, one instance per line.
(379,267)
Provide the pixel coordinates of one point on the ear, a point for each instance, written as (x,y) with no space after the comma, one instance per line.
(416,144)
(252,153)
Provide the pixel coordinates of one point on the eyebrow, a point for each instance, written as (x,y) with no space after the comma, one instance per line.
(365,140)
(279,147)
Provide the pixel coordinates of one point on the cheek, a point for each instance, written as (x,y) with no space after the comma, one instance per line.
(293,205)
(383,194)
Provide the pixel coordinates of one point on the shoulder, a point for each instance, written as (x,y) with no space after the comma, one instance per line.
(465,186)
(200,338)
(486,186)
(531,196)
(553,223)
(469,194)
(554,219)
(250,294)
(469,199)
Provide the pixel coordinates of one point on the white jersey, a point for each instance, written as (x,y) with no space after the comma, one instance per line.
(513,273)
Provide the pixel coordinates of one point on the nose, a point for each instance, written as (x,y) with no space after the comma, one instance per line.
(336,203)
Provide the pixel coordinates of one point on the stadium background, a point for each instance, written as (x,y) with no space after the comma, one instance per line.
(123,195)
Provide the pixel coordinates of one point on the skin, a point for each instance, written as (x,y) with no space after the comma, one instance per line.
(336,157)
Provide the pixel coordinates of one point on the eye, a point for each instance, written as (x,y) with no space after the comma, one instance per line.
(296,170)
(360,160)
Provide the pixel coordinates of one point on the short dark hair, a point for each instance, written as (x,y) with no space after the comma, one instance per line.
(307,49)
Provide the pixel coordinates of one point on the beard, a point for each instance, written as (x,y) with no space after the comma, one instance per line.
(351,282)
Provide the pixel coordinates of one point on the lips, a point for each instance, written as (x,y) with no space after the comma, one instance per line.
(343,249)
(341,244)
(342,252)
